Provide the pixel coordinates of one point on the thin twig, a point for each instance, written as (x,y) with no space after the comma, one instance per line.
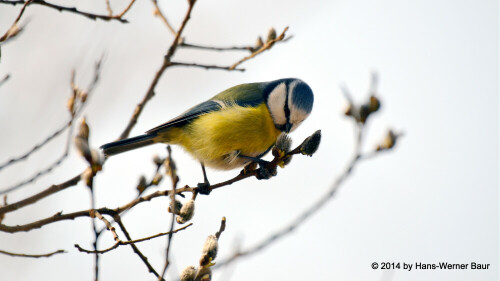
(4,79)
(221,228)
(211,48)
(14,29)
(31,255)
(121,242)
(206,66)
(74,10)
(265,47)
(172,171)
(160,14)
(135,248)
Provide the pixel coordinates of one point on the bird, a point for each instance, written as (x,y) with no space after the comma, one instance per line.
(235,127)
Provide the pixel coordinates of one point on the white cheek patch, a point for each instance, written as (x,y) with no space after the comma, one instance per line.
(276,104)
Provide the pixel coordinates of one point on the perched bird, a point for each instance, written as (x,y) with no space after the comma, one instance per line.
(235,127)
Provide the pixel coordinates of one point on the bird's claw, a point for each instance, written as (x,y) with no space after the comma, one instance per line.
(204,188)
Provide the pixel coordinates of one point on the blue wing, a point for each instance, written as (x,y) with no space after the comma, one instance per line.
(188,116)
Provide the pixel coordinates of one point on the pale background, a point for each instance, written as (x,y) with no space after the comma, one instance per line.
(434,198)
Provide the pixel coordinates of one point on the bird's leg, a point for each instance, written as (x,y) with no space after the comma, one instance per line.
(265,170)
(204,187)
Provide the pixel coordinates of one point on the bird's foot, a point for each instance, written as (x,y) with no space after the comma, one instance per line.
(204,188)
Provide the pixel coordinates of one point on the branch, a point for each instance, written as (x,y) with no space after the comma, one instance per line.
(268,45)
(121,242)
(14,29)
(211,48)
(4,79)
(118,17)
(134,247)
(32,256)
(158,12)
(205,66)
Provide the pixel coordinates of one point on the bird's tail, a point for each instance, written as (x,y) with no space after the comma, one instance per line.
(120,146)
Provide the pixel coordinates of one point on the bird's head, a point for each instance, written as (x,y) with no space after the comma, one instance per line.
(289,101)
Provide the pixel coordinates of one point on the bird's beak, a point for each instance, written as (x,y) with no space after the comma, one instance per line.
(288,127)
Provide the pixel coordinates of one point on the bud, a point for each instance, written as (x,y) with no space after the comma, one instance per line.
(311,144)
(157,160)
(141,186)
(284,143)
(259,43)
(175,207)
(82,95)
(271,35)
(84,130)
(373,104)
(188,274)
(87,176)
(209,251)
(83,148)
(186,213)
(71,105)
(389,141)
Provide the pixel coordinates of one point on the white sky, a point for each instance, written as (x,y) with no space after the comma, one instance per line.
(433,199)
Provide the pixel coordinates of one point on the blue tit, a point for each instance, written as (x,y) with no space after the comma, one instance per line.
(233,128)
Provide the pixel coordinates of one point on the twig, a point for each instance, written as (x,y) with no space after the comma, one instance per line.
(108,7)
(74,10)
(206,66)
(134,247)
(6,77)
(94,227)
(211,48)
(172,171)
(121,242)
(166,63)
(160,14)
(265,47)
(221,228)
(32,256)
(14,29)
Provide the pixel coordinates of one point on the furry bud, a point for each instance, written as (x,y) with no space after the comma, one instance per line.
(188,274)
(175,207)
(209,251)
(311,143)
(186,213)
(271,35)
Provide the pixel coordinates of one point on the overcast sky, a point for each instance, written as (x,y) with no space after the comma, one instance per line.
(433,199)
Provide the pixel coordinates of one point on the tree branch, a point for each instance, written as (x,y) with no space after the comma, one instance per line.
(74,10)
(31,255)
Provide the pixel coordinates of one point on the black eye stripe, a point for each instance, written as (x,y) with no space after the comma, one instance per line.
(287,109)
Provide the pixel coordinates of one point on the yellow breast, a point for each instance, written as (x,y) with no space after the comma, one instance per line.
(217,137)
